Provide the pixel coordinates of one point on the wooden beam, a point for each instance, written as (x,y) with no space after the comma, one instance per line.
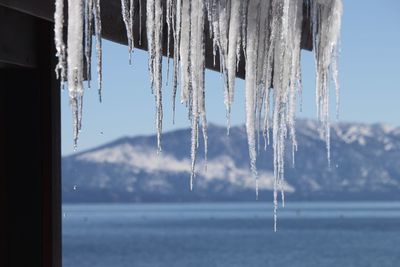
(17,46)
(30,228)
(114,29)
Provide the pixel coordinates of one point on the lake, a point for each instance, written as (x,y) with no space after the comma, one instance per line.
(315,234)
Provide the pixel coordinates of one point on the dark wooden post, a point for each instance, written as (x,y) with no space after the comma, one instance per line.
(30,194)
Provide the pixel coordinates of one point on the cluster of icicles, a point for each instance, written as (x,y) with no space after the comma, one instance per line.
(267,32)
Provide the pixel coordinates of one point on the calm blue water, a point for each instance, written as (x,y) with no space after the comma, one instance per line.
(191,235)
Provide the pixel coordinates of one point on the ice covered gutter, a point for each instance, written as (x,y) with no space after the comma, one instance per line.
(265,34)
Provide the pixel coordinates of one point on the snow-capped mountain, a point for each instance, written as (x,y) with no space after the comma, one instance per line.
(365,164)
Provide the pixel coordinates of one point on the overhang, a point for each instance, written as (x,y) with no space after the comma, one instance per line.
(113,27)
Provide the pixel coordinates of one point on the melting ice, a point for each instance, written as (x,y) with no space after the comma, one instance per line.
(266,34)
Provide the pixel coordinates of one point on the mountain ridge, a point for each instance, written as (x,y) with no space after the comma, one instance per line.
(365,166)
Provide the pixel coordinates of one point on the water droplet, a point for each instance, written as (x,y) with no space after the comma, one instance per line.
(101,133)
(337,166)
(75,187)
(64,215)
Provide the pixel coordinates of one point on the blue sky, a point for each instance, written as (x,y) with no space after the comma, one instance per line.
(369,78)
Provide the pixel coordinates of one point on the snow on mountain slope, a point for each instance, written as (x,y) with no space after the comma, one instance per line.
(365,165)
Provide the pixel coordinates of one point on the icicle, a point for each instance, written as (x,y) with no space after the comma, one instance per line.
(158,68)
(184,51)
(88,38)
(132,19)
(268,74)
(215,27)
(335,76)
(263,34)
(61,69)
(243,14)
(326,23)
(204,126)
(154,26)
(194,33)
(169,19)
(75,62)
(287,54)
(209,5)
(177,37)
(221,39)
(197,70)
(233,55)
(97,26)
(295,28)
(150,17)
(127,12)
(267,119)
(272,58)
(268,31)
(251,70)
(92,13)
